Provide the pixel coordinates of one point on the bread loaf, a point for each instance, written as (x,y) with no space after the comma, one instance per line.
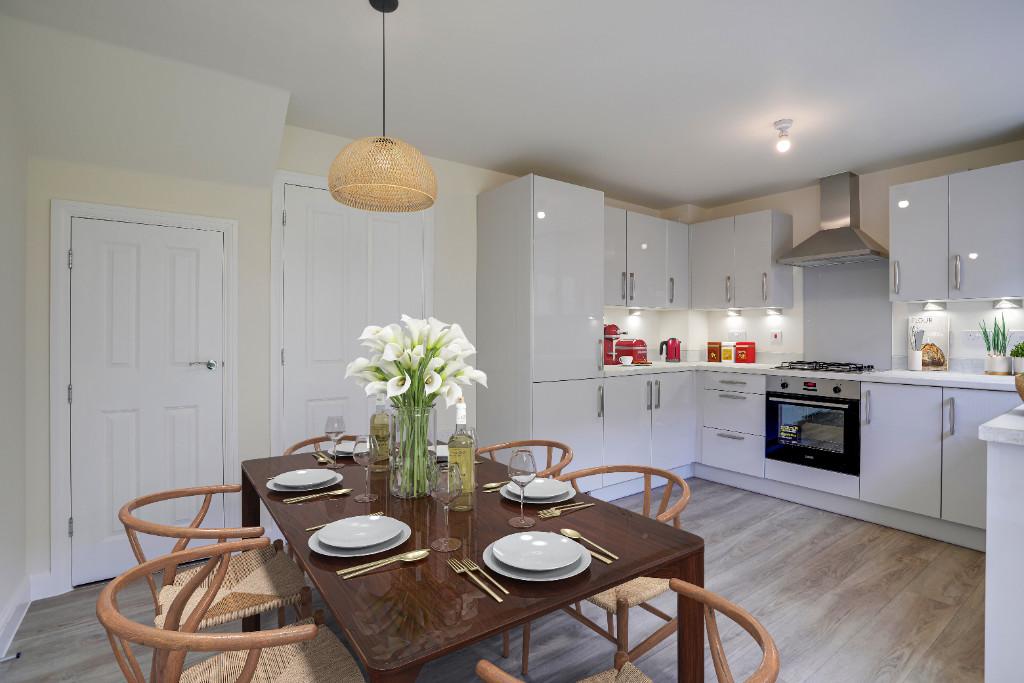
(932,357)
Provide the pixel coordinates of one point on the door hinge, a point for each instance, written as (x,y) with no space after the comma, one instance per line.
(284,217)
(69,393)
(71,526)
(282,355)
(71,258)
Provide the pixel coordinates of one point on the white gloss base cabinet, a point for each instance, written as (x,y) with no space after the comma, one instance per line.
(628,403)
(673,421)
(571,412)
(743,453)
(963,453)
(901,447)
(734,411)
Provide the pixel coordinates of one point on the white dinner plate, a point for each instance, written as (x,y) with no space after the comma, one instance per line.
(543,487)
(318,546)
(512,493)
(536,551)
(303,479)
(360,532)
(335,479)
(554,575)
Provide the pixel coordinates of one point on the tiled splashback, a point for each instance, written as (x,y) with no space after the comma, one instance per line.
(966,351)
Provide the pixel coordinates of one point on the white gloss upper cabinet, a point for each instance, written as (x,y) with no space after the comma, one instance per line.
(986,232)
(711,263)
(628,402)
(677,269)
(645,256)
(901,447)
(674,420)
(918,240)
(615,269)
(572,412)
(762,238)
(567,281)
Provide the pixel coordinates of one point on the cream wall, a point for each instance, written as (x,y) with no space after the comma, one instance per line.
(13,576)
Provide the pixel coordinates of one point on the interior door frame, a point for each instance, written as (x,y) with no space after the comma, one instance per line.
(277,227)
(61,214)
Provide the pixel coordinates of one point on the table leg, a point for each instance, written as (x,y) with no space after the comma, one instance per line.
(250,517)
(690,641)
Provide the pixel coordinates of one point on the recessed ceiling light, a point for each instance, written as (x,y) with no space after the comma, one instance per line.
(734,312)
(934,306)
(903,203)
(643,245)
(541,215)
(1006,302)
(973,256)
(783,126)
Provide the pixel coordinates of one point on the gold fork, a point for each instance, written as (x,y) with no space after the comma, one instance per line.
(321,526)
(303,499)
(459,568)
(474,567)
(556,512)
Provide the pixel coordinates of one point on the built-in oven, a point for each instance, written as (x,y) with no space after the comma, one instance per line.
(814,422)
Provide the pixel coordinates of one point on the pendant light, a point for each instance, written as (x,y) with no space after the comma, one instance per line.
(382,173)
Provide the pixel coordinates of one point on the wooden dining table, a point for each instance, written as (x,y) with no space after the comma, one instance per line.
(398,618)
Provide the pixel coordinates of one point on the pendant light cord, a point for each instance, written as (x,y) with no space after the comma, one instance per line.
(384,75)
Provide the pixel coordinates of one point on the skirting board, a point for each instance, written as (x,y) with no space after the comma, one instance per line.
(950,532)
(628,488)
(12,614)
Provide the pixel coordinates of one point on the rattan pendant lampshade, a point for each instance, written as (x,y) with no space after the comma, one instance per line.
(382,173)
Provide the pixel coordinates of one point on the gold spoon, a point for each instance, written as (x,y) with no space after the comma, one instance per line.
(411,556)
(577,536)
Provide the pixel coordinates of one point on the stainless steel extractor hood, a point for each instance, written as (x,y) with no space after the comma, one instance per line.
(840,239)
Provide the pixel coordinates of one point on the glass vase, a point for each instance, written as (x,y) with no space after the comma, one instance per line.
(412,453)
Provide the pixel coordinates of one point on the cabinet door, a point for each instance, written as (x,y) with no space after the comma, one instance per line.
(571,412)
(645,258)
(568,274)
(674,421)
(732,451)
(918,240)
(711,263)
(754,264)
(986,232)
(614,256)
(901,447)
(627,423)
(964,454)
(677,264)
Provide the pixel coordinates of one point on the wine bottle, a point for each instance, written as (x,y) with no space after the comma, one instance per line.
(380,436)
(461,452)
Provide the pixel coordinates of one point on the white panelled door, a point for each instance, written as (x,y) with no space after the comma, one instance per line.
(344,269)
(147,305)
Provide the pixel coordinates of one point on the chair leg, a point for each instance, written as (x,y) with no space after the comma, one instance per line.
(622,623)
(611,624)
(526,648)
(306,603)
(282,616)
(504,644)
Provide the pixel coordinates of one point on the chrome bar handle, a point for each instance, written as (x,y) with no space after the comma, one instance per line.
(867,407)
(734,437)
(728,286)
(764,287)
(632,286)
(623,285)
(956,271)
(734,397)
(952,415)
(671,290)
(600,354)
(896,277)
(209,364)
(649,395)
(657,401)
(600,400)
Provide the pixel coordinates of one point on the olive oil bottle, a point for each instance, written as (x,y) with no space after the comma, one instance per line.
(461,449)
(380,436)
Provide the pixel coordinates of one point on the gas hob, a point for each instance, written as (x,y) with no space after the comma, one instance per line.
(824,366)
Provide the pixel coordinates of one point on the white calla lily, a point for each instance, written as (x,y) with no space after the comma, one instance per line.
(437,331)
(370,332)
(416,328)
(397,386)
(357,366)
(432,384)
(374,388)
(452,393)
(392,352)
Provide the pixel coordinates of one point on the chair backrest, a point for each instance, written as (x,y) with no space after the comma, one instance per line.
(766,672)
(315,442)
(172,643)
(552,469)
(672,480)
(133,526)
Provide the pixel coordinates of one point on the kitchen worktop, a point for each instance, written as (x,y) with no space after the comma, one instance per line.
(1007,428)
(961,380)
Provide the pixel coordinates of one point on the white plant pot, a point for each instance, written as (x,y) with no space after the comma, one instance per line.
(1018,366)
(915,360)
(997,365)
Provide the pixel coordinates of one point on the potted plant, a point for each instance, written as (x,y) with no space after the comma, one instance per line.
(1017,354)
(996,362)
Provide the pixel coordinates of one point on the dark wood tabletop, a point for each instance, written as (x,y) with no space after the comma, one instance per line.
(398,618)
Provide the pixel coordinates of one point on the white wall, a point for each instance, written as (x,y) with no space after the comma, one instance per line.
(13,576)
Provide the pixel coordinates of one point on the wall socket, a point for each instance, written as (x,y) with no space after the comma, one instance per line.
(776,337)
(737,335)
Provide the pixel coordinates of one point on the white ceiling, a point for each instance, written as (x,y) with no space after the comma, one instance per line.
(659,102)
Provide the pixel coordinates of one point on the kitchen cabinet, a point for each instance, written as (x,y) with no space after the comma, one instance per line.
(743,453)
(677,267)
(733,262)
(628,403)
(734,411)
(964,454)
(674,420)
(918,240)
(572,412)
(711,263)
(735,381)
(901,447)
(615,269)
(645,257)
(986,232)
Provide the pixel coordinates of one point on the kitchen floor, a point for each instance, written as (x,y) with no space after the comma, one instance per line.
(845,600)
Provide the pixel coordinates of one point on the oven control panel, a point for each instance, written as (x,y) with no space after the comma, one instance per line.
(811,386)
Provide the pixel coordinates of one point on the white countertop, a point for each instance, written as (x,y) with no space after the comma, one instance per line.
(960,380)
(1007,428)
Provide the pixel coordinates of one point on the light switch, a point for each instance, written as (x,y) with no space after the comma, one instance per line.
(776,337)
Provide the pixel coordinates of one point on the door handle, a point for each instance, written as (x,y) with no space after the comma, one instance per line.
(600,400)
(896,277)
(632,286)
(867,407)
(735,397)
(671,290)
(764,287)
(623,285)
(210,364)
(731,381)
(734,437)
(956,271)
(952,415)
(600,354)
(649,395)
(657,400)
(728,282)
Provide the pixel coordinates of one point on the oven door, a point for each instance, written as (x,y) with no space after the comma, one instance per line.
(814,431)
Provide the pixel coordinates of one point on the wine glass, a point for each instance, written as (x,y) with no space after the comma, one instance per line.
(335,430)
(522,469)
(362,455)
(446,486)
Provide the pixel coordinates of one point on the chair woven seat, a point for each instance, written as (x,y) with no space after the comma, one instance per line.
(633,592)
(627,674)
(321,660)
(257,581)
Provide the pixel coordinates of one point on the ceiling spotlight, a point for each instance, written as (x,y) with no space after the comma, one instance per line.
(783,126)
(903,203)
(934,306)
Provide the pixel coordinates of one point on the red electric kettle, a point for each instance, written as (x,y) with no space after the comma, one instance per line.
(671,349)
